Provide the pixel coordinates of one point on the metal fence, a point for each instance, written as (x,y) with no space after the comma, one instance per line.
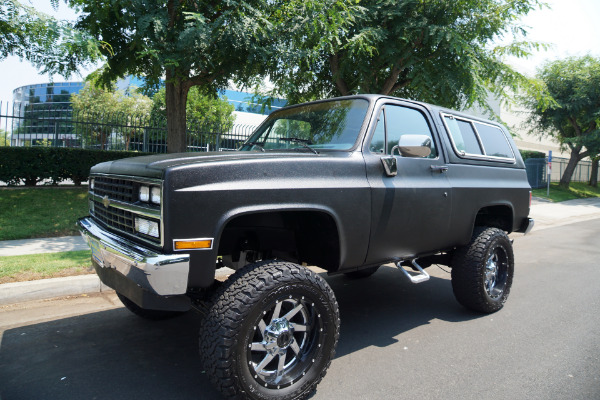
(59,126)
(537,172)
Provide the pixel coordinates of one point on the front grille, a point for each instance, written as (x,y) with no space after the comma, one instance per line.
(120,215)
(114,217)
(115,189)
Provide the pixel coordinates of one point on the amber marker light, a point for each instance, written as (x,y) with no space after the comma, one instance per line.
(197,244)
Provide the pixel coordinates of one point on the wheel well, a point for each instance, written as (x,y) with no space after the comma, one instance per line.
(309,237)
(495,216)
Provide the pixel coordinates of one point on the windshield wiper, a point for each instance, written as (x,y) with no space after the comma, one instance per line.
(303,142)
(259,145)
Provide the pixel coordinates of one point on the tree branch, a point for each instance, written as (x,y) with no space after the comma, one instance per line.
(391,81)
(340,84)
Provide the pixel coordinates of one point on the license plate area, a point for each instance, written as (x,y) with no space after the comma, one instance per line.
(96,252)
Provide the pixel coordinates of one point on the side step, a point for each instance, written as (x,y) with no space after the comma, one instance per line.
(414,276)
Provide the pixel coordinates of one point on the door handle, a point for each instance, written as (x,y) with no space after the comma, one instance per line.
(389,165)
(439,168)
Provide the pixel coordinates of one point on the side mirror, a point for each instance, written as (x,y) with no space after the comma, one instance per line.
(414,146)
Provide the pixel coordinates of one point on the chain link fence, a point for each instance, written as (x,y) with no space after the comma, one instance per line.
(59,126)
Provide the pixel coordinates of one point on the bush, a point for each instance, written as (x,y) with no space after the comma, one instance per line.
(31,165)
(526,154)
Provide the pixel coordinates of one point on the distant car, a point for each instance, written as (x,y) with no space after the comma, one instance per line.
(346,184)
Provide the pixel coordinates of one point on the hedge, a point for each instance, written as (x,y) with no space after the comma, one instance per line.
(31,165)
(527,154)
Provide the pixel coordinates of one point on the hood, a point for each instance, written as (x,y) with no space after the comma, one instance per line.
(155,166)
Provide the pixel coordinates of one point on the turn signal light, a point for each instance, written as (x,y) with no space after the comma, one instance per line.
(200,244)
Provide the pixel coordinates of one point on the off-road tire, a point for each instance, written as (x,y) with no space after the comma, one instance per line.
(153,315)
(361,273)
(482,271)
(270,307)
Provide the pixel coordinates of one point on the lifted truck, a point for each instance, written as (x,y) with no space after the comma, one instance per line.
(346,184)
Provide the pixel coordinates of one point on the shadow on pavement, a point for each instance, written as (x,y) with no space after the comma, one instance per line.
(116,355)
(375,310)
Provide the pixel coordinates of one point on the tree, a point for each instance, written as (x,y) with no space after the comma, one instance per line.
(594,172)
(103,111)
(51,45)
(431,50)
(568,109)
(4,138)
(201,109)
(188,43)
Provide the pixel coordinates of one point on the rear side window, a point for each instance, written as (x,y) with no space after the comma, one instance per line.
(472,139)
(493,140)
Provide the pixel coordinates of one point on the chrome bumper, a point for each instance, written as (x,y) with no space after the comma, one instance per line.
(528,226)
(156,273)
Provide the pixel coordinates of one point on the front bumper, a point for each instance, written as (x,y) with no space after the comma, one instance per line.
(134,270)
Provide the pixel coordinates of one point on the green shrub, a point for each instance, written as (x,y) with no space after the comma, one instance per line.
(526,154)
(31,165)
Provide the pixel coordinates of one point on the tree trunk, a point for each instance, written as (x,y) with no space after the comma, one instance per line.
(594,174)
(176,93)
(565,179)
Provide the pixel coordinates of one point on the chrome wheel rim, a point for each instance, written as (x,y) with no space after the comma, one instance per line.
(496,272)
(284,342)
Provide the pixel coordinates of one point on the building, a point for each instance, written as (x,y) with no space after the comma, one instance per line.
(43,111)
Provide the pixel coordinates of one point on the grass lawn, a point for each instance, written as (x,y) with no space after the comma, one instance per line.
(577,190)
(42,266)
(41,212)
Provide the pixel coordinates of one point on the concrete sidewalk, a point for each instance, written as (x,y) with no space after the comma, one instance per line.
(545,214)
(42,245)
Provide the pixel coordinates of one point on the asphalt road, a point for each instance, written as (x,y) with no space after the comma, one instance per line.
(398,340)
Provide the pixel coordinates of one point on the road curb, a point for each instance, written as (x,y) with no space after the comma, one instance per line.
(18,292)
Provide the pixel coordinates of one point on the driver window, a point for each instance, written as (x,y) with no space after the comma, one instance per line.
(405,121)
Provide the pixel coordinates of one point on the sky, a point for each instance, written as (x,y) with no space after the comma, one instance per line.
(569,26)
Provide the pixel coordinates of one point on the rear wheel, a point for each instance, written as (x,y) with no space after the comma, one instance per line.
(482,271)
(154,315)
(271,332)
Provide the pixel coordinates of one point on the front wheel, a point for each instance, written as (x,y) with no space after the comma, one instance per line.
(482,271)
(271,332)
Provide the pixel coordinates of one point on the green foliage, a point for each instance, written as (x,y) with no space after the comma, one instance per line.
(527,154)
(4,138)
(567,107)
(577,190)
(201,109)
(30,165)
(94,103)
(41,211)
(189,43)
(51,45)
(430,50)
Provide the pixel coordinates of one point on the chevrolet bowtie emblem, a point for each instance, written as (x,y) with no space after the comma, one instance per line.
(106,201)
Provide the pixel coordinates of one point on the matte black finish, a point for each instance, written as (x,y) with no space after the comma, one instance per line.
(337,209)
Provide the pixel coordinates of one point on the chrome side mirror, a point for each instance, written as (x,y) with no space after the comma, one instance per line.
(414,146)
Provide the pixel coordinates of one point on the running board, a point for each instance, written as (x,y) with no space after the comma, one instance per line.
(414,276)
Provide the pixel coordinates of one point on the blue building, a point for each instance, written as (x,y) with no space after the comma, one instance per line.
(44,111)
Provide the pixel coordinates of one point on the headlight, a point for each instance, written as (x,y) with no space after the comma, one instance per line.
(147,227)
(144,193)
(92,184)
(155,195)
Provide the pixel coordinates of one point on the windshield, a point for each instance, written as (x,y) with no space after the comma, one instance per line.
(327,125)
